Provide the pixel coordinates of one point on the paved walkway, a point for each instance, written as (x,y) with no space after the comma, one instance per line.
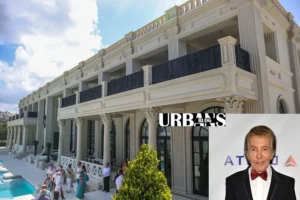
(36,176)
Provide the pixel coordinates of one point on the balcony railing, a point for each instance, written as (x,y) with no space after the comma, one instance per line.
(200,61)
(126,83)
(242,59)
(32,114)
(68,101)
(91,94)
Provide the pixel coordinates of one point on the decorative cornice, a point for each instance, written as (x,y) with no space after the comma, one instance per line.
(233,104)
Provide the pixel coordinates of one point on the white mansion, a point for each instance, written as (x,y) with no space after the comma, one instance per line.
(236,56)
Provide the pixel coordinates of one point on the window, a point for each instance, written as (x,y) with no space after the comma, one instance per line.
(91,137)
(144,133)
(127,140)
(200,156)
(282,107)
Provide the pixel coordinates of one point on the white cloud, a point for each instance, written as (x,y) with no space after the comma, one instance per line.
(54,36)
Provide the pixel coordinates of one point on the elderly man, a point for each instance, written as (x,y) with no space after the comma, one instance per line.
(106,175)
(260,180)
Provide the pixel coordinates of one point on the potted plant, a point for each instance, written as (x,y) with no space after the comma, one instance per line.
(143,179)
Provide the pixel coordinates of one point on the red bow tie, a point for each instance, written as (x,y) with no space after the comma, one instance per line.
(255,174)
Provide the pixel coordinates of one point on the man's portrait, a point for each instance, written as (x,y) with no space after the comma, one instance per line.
(255,158)
(260,180)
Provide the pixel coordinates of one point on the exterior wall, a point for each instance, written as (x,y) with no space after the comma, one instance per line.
(277,93)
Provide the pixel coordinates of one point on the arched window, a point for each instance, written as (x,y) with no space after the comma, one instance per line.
(163,135)
(200,155)
(127,140)
(144,133)
(282,107)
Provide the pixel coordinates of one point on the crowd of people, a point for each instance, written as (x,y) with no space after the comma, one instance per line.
(52,188)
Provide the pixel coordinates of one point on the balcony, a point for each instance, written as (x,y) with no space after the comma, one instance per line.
(91,94)
(126,83)
(218,71)
(68,101)
(197,62)
(32,114)
(24,118)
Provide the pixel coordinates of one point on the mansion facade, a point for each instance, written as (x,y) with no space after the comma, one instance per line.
(232,56)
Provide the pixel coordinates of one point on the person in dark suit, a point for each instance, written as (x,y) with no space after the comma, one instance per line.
(260,180)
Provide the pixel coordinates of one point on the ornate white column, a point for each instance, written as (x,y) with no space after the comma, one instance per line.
(152,119)
(8,143)
(233,104)
(79,124)
(251,37)
(107,119)
(97,151)
(24,141)
(19,135)
(15,135)
(61,124)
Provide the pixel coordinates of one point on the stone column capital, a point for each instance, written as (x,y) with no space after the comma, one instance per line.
(79,121)
(61,123)
(233,104)
(151,113)
(107,118)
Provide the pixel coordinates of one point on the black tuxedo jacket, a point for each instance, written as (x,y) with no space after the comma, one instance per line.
(238,187)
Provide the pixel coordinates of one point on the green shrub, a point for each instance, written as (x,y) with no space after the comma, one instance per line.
(143,180)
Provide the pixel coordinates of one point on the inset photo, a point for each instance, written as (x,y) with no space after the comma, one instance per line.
(255,157)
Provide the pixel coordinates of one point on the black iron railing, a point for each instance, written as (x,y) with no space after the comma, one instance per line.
(68,101)
(242,59)
(22,115)
(32,114)
(126,83)
(200,61)
(91,94)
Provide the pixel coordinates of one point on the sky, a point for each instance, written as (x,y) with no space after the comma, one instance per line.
(40,39)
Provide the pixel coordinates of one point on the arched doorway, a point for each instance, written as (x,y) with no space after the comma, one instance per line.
(163,148)
(200,156)
(127,140)
(112,141)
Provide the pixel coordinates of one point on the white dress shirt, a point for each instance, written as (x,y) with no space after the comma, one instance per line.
(106,171)
(78,174)
(119,181)
(58,182)
(259,187)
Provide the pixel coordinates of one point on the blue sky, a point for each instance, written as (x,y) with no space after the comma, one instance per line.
(40,39)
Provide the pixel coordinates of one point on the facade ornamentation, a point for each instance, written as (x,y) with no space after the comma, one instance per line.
(79,121)
(107,118)
(61,123)
(151,113)
(233,104)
